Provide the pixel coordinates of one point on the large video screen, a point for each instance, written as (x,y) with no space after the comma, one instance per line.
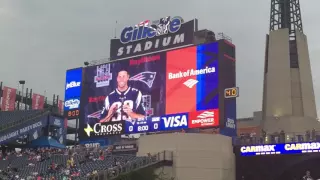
(170,90)
(72,93)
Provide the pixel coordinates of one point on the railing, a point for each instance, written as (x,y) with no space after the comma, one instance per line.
(309,136)
(23,120)
(222,35)
(113,173)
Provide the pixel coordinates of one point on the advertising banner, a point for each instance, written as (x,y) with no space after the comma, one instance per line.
(73,88)
(230,123)
(34,127)
(60,128)
(73,83)
(95,143)
(8,99)
(60,106)
(165,85)
(150,37)
(37,101)
(201,119)
(272,149)
(124,148)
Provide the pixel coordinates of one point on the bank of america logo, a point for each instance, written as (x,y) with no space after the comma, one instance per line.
(206,114)
(190,83)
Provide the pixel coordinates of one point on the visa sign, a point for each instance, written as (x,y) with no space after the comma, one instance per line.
(174,122)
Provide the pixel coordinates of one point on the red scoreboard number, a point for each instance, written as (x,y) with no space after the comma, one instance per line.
(231,92)
(73,114)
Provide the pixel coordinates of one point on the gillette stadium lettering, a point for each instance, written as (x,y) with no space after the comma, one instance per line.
(148,30)
(130,34)
(262,148)
(159,43)
(175,121)
(191,72)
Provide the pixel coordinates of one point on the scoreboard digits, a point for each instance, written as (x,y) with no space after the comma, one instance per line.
(130,128)
(155,126)
(231,92)
(72,114)
(141,126)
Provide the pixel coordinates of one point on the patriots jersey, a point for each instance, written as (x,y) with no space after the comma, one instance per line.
(131,97)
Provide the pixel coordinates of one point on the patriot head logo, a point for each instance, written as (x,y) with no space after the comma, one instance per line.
(146,77)
(95,115)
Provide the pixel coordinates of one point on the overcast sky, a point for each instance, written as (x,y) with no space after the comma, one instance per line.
(41,39)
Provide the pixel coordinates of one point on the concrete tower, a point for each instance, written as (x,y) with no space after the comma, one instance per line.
(288,96)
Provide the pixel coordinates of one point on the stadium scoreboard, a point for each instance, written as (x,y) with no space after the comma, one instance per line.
(163,90)
(73,88)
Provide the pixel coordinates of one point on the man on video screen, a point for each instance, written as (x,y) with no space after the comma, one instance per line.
(123,103)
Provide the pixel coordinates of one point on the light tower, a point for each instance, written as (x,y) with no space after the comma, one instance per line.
(288,96)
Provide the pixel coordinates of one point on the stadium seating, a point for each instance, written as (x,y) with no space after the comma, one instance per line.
(10,118)
(24,167)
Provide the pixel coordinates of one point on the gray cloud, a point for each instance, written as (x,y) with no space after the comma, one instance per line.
(40,40)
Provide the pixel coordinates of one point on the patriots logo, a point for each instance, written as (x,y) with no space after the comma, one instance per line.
(146,77)
(95,115)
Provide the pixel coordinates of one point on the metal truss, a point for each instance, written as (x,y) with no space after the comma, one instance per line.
(286,14)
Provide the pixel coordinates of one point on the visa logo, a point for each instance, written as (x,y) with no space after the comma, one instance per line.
(175,121)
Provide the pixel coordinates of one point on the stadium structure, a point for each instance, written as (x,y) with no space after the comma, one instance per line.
(40,124)
(186,141)
(285,134)
(288,94)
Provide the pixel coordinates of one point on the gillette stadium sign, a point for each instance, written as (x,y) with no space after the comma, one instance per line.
(153,36)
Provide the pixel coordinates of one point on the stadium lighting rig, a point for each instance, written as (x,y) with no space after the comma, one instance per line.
(222,35)
(96,62)
(22,83)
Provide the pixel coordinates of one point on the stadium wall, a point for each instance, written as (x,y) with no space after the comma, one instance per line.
(195,156)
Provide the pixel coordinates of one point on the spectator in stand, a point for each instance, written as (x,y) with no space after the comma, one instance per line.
(101,155)
(307,176)
(282,137)
(313,135)
(69,163)
(308,135)
(263,135)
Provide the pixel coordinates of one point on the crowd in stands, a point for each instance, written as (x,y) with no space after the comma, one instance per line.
(57,164)
(277,137)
